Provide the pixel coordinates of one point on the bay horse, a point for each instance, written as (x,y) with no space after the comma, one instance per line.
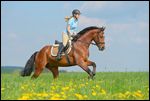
(78,55)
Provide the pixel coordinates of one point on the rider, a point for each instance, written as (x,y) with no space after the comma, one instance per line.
(70,31)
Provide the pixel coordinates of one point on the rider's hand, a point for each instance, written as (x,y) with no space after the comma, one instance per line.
(74,33)
(71,38)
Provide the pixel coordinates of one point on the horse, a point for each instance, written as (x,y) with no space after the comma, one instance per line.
(78,55)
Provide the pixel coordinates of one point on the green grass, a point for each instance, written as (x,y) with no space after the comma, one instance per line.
(75,85)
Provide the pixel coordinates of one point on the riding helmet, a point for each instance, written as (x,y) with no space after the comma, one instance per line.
(76,11)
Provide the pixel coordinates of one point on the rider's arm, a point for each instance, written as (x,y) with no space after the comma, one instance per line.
(68,29)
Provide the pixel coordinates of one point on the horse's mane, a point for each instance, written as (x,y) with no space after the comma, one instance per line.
(82,32)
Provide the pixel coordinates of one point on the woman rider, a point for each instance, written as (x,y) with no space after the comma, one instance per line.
(70,31)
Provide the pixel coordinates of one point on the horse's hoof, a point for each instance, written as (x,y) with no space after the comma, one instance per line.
(90,78)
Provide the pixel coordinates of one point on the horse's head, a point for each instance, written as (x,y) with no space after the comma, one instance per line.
(99,38)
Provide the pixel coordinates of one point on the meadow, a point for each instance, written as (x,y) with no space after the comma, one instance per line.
(75,85)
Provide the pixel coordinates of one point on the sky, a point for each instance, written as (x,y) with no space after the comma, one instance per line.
(27,26)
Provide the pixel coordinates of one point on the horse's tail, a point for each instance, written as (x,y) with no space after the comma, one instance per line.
(29,66)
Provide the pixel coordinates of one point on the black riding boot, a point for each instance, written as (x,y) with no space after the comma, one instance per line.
(61,47)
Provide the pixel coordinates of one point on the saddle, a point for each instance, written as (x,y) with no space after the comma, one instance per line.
(55,48)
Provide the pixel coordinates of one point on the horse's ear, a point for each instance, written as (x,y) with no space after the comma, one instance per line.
(103,28)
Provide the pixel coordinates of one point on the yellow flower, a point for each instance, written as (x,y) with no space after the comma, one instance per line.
(53,88)
(38,94)
(22,87)
(44,94)
(97,86)
(2,89)
(79,96)
(65,88)
(85,96)
(62,93)
(57,95)
(94,93)
(127,94)
(33,85)
(120,95)
(24,98)
(103,92)
(55,98)
(64,96)
(138,94)
(82,85)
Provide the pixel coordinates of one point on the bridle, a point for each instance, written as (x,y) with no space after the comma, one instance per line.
(96,43)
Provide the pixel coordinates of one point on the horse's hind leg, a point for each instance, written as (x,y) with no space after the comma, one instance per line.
(40,63)
(55,71)
(37,71)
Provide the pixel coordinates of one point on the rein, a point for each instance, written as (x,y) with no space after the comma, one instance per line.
(91,42)
(96,43)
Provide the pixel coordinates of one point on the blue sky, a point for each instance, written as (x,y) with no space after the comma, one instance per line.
(28,26)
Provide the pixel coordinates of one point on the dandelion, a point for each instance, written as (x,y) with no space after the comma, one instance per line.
(55,98)
(65,88)
(44,94)
(120,95)
(64,96)
(53,88)
(94,93)
(127,94)
(97,86)
(62,93)
(138,94)
(2,89)
(103,92)
(82,85)
(79,96)
(24,98)
(22,87)
(33,85)
(85,96)
(57,95)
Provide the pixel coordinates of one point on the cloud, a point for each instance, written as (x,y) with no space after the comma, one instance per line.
(136,33)
(93,5)
(139,40)
(12,36)
(87,21)
(99,5)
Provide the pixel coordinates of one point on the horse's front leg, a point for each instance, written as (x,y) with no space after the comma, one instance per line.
(84,66)
(91,63)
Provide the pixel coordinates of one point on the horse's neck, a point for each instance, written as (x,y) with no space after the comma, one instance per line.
(86,39)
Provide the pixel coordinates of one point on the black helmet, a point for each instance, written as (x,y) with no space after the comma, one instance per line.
(75,11)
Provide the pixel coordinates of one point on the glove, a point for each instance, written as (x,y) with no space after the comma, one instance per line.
(74,33)
(71,38)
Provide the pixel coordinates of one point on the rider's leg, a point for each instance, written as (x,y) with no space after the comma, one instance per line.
(61,47)
(65,40)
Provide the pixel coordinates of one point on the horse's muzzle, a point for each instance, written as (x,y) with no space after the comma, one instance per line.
(101,48)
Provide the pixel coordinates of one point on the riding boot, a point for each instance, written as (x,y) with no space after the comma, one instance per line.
(59,52)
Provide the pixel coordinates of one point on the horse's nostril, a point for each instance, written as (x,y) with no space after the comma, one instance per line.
(103,48)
